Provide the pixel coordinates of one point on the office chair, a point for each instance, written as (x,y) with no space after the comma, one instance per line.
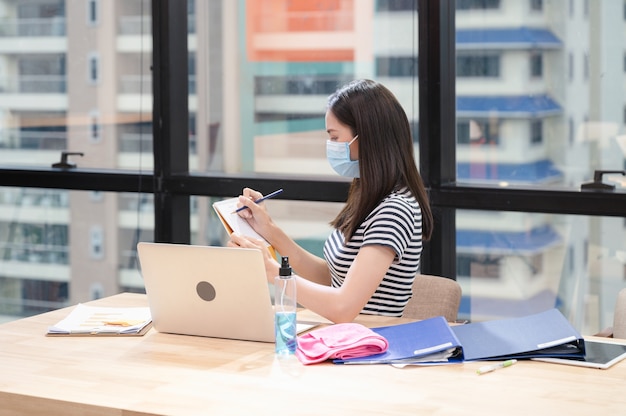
(618,330)
(434,296)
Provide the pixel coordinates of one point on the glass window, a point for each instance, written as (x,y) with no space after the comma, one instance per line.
(514,264)
(557,120)
(93,71)
(536,65)
(60,247)
(259,74)
(536,5)
(565,101)
(477,4)
(261,92)
(396,5)
(68,85)
(92,12)
(477,65)
(536,132)
(396,66)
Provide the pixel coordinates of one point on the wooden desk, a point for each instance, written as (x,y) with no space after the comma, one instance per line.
(172,374)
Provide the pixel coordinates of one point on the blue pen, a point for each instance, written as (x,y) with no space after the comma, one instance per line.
(258,201)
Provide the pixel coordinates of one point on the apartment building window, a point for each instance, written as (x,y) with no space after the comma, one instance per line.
(93,68)
(478,265)
(396,5)
(536,132)
(96,196)
(92,12)
(477,4)
(478,65)
(302,85)
(44,73)
(94,127)
(396,66)
(571,8)
(536,65)
(477,132)
(536,5)
(96,242)
(586,66)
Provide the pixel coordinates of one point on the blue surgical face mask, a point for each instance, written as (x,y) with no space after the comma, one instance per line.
(338,155)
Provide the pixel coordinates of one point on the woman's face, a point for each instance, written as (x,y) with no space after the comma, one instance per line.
(338,132)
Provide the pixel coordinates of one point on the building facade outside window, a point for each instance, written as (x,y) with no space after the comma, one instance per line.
(528,114)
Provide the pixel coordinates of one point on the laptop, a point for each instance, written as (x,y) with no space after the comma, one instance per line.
(219,292)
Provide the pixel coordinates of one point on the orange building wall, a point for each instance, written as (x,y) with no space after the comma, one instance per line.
(311,16)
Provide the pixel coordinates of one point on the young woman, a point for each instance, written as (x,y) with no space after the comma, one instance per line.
(373,254)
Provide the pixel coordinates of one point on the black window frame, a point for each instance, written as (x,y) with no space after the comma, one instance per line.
(173,185)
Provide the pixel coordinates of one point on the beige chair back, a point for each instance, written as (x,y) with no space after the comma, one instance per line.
(619,319)
(434,296)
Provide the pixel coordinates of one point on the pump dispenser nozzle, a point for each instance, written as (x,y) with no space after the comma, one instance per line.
(285,268)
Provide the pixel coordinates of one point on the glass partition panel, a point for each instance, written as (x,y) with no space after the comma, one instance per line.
(75,76)
(540,92)
(59,247)
(514,264)
(263,69)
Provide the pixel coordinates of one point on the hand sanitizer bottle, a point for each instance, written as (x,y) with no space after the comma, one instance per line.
(285,306)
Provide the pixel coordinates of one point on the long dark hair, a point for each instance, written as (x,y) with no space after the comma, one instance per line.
(386,156)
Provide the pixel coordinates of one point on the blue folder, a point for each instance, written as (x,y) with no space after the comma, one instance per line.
(429,340)
(545,334)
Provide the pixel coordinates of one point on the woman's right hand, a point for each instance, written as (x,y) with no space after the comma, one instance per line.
(256,214)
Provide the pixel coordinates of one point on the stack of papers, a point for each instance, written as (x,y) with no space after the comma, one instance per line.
(91,320)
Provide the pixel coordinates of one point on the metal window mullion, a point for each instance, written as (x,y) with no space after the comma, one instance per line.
(170,119)
(437,127)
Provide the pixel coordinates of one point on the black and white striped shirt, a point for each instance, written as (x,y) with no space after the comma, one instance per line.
(397,223)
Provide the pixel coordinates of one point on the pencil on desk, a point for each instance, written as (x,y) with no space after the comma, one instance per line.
(492,367)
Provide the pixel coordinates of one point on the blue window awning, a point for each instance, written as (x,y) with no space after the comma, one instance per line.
(513,106)
(528,242)
(511,38)
(531,173)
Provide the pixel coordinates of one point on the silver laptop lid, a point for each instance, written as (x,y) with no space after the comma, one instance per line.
(208,291)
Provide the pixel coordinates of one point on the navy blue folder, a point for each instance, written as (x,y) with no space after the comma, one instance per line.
(545,334)
(427,340)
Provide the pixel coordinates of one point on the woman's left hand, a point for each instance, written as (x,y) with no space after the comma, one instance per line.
(241,241)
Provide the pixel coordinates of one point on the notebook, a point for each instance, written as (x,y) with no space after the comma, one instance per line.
(598,354)
(219,292)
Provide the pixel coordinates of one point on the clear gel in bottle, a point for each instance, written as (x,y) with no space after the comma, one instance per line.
(285,307)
